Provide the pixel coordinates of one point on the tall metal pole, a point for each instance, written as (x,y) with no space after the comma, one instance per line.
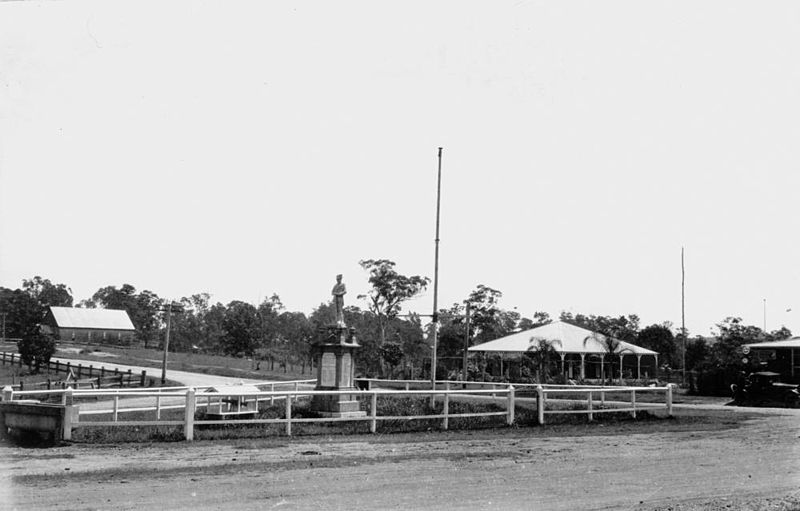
(166,346)
(683,320)
(765,316)
(435,315)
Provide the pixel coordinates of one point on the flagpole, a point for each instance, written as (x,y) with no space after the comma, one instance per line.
(436,278)
(683,321)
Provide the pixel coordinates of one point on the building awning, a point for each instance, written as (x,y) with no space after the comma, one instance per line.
(793,343)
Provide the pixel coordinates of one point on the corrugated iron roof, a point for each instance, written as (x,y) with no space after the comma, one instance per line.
(107,319)
(570,339)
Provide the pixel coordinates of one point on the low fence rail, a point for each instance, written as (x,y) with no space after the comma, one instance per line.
(84,374)
(548,398)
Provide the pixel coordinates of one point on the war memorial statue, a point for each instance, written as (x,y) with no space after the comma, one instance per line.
(333,354)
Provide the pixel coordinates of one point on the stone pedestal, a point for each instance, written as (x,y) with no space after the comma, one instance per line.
(335,371)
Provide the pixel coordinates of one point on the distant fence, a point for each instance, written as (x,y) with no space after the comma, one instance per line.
(91,376)
(190,399)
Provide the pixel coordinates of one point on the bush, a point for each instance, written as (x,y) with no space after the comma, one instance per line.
(36,348)
(716,381)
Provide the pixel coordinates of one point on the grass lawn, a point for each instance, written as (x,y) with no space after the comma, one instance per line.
(191,362)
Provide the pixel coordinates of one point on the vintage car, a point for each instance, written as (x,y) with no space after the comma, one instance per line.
(765,389)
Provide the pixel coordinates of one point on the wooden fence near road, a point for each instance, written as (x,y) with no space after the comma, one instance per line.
(84,375)
(190,399)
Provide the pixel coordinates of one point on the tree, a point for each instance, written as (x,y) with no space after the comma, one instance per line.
(36,348)
(660,339)
(143,308)
(612,347)
(624,328)
(389,290)
(541,355)
(47,293)
(487,318)
(24,315)
(295,333)
(539,319)
(241,329)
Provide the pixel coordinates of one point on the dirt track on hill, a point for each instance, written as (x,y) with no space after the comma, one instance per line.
(753,466)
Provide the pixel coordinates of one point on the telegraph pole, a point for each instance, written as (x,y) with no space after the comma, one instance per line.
(466,345)
(168,310)
(683,320)
(436,277)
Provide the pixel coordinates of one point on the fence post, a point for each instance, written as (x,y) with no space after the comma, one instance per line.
(603,398)
(130,374)
(102,371)
(272,396)
(158,407)
(142,380)
(116,406)
(70,413)
(446,405)
(288,415)
(80,368)
(69,368)
(8,394)
(589,407)
(540,403)
(67,398)
(57,364)
(373,410)
(669,400)
(4,358)
(295,391)
(510,419)
(188,427)
(633,403)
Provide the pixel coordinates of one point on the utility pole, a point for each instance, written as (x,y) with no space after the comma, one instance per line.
(178,308)
(683,320)
(466,345)
(435,316)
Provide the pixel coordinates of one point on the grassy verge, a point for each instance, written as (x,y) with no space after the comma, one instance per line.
(190,362)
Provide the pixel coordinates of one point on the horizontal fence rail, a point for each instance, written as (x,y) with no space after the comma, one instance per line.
(90,376)
(588,400)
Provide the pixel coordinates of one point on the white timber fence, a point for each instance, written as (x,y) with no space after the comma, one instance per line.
(549,399)
(193,398)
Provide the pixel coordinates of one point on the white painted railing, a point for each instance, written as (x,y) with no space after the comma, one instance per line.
(190,399)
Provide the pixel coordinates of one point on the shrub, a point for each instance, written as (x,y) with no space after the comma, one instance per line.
(36,348)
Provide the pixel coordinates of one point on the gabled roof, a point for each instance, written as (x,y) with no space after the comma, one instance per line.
(567,338)
(105,319)
(794,342)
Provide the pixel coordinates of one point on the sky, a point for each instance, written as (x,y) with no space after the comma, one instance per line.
(249,148)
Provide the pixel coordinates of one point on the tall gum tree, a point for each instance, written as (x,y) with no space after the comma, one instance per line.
(389,290)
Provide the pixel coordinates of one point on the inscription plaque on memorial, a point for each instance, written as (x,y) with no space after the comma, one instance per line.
(328,373)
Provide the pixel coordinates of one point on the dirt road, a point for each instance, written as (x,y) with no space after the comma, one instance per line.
(749,464)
